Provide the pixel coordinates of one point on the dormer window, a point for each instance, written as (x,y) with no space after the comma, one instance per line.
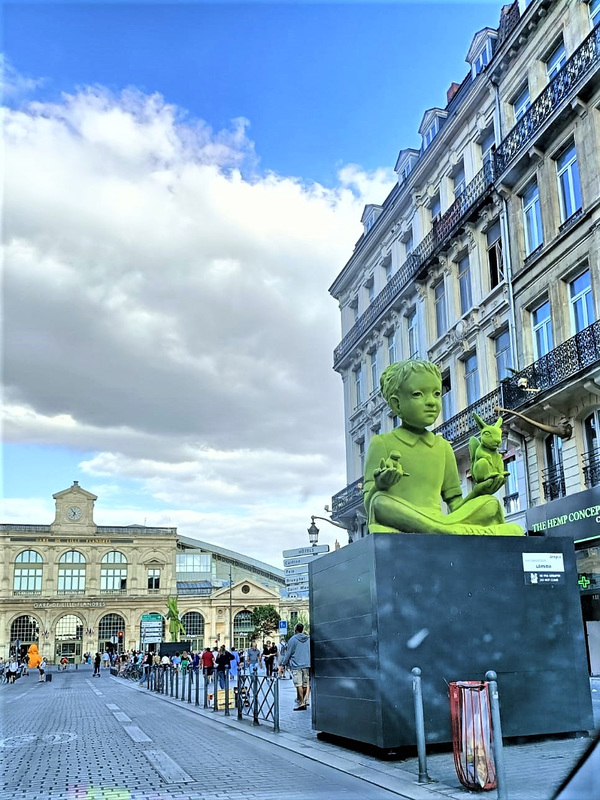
(430,134)
(481,50)
(404,163)
(481,61)
(369,217)
(430,125)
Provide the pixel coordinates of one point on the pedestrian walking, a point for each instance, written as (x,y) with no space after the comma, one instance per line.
(105,660)
(269,653)
(298,657)
(42,670)
(207,664)
(281,651)
(233,666)
(223,662)
(253,659)
(97,660)
(13,666)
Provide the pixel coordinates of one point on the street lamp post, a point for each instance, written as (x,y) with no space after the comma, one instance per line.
(230,609)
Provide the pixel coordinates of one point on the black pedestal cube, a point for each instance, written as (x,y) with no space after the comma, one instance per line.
(456,607)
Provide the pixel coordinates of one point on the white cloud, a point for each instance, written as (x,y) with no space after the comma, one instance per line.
(166,308)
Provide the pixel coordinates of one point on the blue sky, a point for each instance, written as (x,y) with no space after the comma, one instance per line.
(169,331)
(321,84)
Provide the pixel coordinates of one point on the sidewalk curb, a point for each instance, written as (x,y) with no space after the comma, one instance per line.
(396,780)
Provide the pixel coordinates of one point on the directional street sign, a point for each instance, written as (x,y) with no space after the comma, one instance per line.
(282,627)
(306,551)
(293,579)
(292,562)
(151,617)
(301,570)
(296,595)
(300,587)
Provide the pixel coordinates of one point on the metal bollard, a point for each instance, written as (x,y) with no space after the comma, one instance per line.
(501,789)
(255,699)
(205,687)
(215,692)
(197,687)
(227,714)
(276,705)
(419,724)
(190,676)
(176,684)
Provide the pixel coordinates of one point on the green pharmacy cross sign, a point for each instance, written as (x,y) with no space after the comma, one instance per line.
(584,582)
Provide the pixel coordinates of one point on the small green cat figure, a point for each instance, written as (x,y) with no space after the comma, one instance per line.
(486,461)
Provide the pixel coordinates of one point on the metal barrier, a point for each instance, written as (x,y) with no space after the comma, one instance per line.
(253,696)
(258,697)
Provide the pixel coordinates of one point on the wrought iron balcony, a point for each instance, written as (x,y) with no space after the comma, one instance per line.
(462,425)
(553,482)
(350,496)
(591,467)
(562,87)
(564,362)
(423,255)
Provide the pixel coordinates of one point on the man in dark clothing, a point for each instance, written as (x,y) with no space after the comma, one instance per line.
(97,660)
(298,657)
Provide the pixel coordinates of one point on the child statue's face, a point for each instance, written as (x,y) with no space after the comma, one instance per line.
(419,400)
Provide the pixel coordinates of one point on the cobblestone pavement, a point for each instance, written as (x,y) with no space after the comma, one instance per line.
(79,739)
(82,739)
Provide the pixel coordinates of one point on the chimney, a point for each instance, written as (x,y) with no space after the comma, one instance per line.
(454,87)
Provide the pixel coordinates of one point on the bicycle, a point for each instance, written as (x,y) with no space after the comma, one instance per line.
(132,671)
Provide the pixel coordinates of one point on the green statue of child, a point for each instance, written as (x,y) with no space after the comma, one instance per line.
(408,470)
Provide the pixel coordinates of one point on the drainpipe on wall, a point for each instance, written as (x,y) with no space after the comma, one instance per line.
(507,259)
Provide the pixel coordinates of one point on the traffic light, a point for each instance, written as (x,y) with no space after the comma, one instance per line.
(120,635)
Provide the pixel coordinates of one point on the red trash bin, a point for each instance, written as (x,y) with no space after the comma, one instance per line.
(472,734)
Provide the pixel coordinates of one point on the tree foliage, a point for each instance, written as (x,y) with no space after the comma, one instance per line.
(266,622)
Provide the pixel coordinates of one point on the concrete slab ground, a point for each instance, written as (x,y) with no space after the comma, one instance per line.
(132,744)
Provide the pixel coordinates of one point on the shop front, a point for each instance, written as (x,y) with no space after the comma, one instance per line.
(578,516)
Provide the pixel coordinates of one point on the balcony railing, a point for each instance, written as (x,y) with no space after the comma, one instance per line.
(349,496)
(591,468)
(462,425)
(553,482)
(426,250)
(562,87)
(565,361)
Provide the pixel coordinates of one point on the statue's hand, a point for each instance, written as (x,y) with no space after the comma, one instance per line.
(389,473)
(489,486)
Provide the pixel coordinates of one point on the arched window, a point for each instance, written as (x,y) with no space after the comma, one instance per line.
(193,622)
(69,637)
(28,557)
(28,573)
(113,573)
(242,628)
(27,630)
(591,458)
(111,633)
(71,573)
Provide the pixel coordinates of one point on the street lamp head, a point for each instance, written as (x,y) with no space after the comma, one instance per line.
(313,533)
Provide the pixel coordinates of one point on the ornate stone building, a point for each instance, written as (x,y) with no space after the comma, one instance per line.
(484,259)
(74,586)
